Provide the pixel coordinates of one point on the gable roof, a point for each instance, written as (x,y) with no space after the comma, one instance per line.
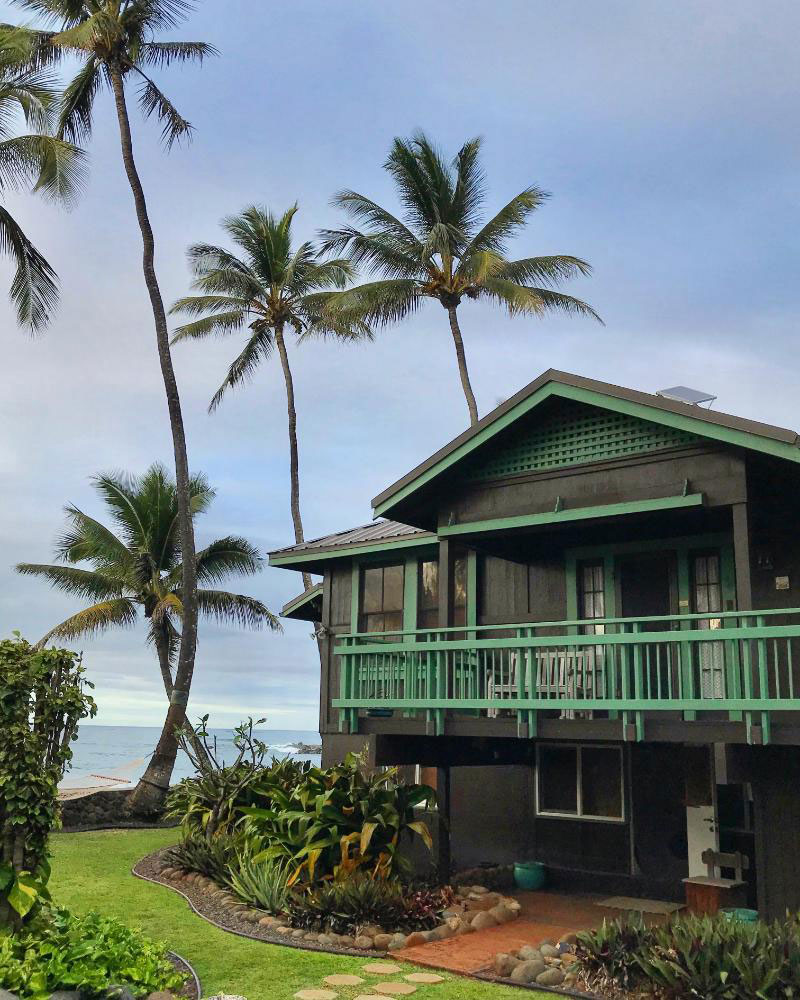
(777,441)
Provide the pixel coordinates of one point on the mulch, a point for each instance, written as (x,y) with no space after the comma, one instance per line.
(191,989)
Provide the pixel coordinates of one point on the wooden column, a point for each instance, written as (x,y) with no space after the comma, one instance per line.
(443,773)
(741,555)
(443,859)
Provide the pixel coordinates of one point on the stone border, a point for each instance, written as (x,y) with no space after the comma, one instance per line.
(266,937)
(198,989)
(303,945)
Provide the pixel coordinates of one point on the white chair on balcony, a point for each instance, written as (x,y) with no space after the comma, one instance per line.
(570,673)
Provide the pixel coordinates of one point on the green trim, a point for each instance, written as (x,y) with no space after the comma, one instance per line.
(715,432)
(301,600)
(410,578)
(345,552)
(355,595)
(574,514)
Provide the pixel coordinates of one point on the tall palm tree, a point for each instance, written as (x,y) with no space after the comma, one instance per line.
(116,41)
(440,249)
(136,567)
(50,165)
(270,286)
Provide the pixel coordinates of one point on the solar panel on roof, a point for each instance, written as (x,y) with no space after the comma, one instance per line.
(683,394)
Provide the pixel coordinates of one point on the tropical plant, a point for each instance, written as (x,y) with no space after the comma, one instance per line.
(210,802)
(116,41)
(263,884)
(82,955)
(211,857)
(345,907)
(423,905)
(50,165)
(270,286)
(713,958)
(338,821)
(42,699)
(136,567)
(440,250)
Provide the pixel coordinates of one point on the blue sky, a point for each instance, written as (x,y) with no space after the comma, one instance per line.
(668,137)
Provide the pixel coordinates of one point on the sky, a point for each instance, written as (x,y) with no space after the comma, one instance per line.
(667,135)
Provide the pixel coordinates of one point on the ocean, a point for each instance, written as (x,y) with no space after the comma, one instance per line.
(122,751)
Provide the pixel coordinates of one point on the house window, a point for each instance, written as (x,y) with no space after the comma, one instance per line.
(428,592)
(707,587)
(592,595)
(579,782)
(381,599)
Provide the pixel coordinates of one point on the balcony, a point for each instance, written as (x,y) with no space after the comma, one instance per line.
(740,666)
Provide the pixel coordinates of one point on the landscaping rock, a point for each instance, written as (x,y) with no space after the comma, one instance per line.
(505,964)
(268,921)
(298,934)
(442,933)
(371,930)
(483,920)
(548,951)
(568,939)
(311,936)
(382,941)
(502,913)
(283,930)
(527,972)
(529,953)
(326,940)
(363,942)
(483,902)
(398,941)
(75,994)
(114,992)
(550,977)
(5,995)
(415,939)
(346,941)
(479,889)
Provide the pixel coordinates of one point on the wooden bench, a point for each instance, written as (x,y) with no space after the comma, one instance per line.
(711,893)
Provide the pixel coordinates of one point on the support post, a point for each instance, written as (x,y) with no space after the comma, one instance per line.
(443,860)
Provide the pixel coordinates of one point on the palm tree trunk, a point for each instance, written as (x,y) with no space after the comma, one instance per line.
(162,649)
(294,462)
(153,785)
(462,365)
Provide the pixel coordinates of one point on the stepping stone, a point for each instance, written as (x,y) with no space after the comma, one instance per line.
(395,989)
(340,980)
(423,977)
(368,996)
(381,968)
(316,995)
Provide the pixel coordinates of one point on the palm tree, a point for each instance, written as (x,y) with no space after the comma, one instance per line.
(51,165)
(441,251)
(136,568)
(269,287)
(116,40)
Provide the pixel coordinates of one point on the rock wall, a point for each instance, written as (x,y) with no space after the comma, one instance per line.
(101,810)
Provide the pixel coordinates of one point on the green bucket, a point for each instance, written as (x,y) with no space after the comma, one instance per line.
(530,875)
(741,915)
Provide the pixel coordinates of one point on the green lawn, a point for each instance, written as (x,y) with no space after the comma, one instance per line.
(91,871)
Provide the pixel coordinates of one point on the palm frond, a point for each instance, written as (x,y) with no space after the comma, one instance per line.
(226,557)
(88,540)
(470,188)
(378,252)
(376,303)
(34,288)
(522,300)
(77,103)
(367,211)
(119,612)
(494,235)
(164,54)
(174,126)
(552,270)
(87,584)
(221,323)
(62,169)
(258,349)
(236,609)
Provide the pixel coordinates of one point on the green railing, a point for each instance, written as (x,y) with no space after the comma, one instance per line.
(745,665)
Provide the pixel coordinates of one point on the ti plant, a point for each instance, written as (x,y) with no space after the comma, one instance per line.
(42,699)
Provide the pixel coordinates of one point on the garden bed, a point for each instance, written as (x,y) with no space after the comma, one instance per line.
(192,988)
(235,918)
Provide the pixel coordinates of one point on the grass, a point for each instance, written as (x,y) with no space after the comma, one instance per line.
(92,871)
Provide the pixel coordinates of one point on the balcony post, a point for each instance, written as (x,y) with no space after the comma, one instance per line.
(744,597)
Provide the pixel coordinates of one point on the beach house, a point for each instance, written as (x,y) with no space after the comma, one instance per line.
(580,621)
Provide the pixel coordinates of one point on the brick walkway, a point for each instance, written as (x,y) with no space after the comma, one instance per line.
(544,915)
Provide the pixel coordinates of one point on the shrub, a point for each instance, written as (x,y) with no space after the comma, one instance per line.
(423,906)
(263,884)
(212,857)
(59,951)
(696,956)
(42,700)
(344,907)
(334,822)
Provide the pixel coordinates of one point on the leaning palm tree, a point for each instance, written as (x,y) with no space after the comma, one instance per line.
(441,251)
(135,568)
(37,159)
(269,287)
(116,42)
